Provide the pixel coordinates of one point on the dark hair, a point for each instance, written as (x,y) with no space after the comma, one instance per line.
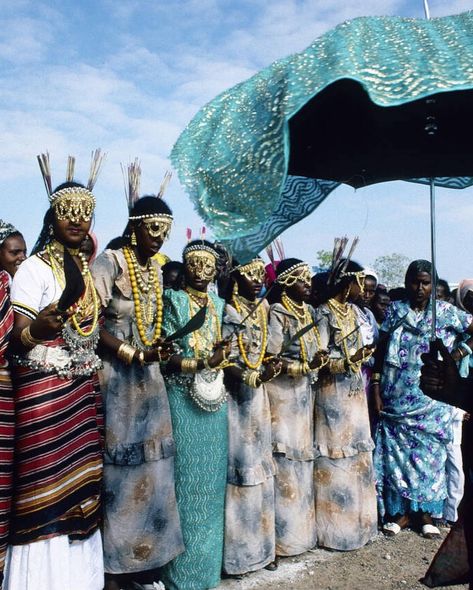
(116,243)
(14,234)
(286,264)
(440,283)
(417,266)
(171,266)
(147,205)
(343,282)
(397,294)
(319,291)
(48,220)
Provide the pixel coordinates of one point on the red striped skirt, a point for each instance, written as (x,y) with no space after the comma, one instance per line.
(58,459)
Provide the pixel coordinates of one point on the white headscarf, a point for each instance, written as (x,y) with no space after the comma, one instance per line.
(463,288)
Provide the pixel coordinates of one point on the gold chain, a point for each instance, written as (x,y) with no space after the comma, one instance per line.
(261,322)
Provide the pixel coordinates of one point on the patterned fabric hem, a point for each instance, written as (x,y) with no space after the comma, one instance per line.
(280,448)
(361,446)
(141,452)
(251,476)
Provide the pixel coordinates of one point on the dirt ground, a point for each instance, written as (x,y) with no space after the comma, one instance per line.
(394,563)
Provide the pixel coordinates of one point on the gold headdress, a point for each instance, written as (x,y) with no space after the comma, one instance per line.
(202,260)
(296,272)
(253,270)
(74,203)
(157,224)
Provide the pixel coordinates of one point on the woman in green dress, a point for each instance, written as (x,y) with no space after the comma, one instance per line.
(197,398)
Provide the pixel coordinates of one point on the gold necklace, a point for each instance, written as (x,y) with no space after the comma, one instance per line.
(88,301)
(199,297)
(304,318)
(204,339)
(145,310)
(346,322)
(262,322)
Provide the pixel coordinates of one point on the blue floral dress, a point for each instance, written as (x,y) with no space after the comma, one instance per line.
(414,430)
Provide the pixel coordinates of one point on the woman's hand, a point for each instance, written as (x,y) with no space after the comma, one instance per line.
(220,354)
(161,352)
(319,359)
(271,369)
(362,354)
(48,323)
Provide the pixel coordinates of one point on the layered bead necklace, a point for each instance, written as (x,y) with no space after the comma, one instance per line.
(88,303)
(259,320)
(203,340)
(147,294)
(302,314)
(345,318)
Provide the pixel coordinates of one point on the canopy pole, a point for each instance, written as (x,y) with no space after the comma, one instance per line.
(433,250)
(427,9)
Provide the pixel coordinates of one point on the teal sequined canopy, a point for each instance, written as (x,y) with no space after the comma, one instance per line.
(252,160)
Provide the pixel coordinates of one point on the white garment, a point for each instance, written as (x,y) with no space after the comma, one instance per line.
(454,469)
(34,285)
(56,564)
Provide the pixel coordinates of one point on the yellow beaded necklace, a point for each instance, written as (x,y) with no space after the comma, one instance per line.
(304,318)
(261,320)
(89,300)
(140,310)
(344,315)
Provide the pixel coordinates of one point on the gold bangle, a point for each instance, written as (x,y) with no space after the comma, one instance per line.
(337,366)
(126,353)
(294,369)
(141,358)
(27,339)
(206,364)
(375,377)
(189,365)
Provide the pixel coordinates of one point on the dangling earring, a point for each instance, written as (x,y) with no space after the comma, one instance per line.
(346,294)
(133,241)
(51,230)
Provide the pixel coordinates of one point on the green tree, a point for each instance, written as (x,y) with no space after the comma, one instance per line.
(324,260)
(391,269)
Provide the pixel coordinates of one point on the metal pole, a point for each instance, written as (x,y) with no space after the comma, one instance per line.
(427,9)
(433,249)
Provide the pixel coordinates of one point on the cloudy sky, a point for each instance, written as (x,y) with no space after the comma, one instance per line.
(128,75)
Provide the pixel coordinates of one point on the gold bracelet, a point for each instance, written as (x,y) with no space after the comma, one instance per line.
(206,364)
(141,358)
(337,366)
(294,369)
(27,339)
(375,377)
(126,353)
(251,378)
(189,365)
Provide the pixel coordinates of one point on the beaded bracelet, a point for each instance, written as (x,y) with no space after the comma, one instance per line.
(27,339)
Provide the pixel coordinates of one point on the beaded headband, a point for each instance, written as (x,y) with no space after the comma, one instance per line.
(199,248)
(288,277)
(74,203)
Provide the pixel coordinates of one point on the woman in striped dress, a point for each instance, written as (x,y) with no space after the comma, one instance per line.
(55,541)
(12,254)
(6,417)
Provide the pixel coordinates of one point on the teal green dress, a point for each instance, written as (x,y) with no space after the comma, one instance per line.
(201,464)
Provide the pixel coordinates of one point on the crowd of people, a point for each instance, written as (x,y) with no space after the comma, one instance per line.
(165,423)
